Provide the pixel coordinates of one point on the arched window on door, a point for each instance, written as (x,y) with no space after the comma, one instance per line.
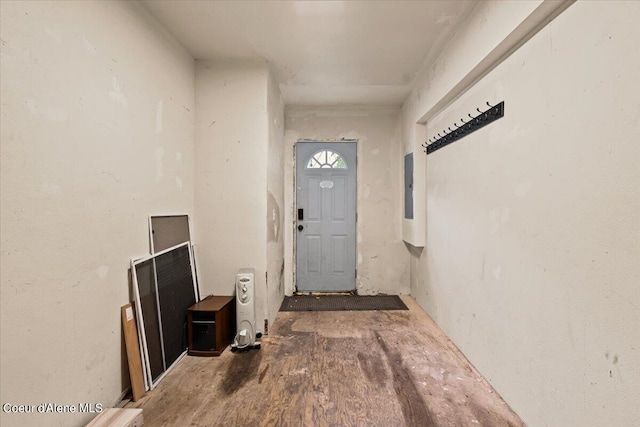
(326,159)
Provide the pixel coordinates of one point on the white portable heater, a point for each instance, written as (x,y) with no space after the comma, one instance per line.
(245,311)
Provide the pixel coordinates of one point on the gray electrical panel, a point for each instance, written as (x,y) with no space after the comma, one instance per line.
(408,186)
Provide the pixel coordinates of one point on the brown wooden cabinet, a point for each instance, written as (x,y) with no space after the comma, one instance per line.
(211,325)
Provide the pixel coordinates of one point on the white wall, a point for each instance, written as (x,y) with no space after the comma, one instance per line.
(97,132)
(236,156)
(275,199)
(382,260)
(532,242)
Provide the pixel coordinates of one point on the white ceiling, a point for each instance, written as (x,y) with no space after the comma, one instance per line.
(321,52)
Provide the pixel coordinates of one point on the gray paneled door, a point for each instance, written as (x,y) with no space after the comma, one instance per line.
(326,216)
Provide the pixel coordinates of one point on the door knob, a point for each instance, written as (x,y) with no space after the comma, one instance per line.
(300,227)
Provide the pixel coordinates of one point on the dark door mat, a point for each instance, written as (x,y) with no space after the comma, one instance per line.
(342,303)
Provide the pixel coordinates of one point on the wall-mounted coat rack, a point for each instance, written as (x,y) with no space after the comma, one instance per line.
(484,118)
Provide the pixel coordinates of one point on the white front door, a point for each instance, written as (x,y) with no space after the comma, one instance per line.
(326,216)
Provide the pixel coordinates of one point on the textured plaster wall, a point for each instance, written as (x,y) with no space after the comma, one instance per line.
(232,140)
(532,223)
(382,259)
(97,132)
(275,199)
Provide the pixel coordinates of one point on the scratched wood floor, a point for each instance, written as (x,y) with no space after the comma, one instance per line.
(363,368)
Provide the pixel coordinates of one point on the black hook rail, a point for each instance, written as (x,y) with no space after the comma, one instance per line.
(481,120)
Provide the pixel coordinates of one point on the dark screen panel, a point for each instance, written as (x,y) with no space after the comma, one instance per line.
(169,231)
(148,305)
(175,289)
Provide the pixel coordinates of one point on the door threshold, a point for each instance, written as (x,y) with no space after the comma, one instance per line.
(322,294)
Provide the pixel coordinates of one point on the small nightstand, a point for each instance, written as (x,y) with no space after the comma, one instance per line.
(211,325)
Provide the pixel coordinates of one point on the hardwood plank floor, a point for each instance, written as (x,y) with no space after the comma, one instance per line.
(362,368)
